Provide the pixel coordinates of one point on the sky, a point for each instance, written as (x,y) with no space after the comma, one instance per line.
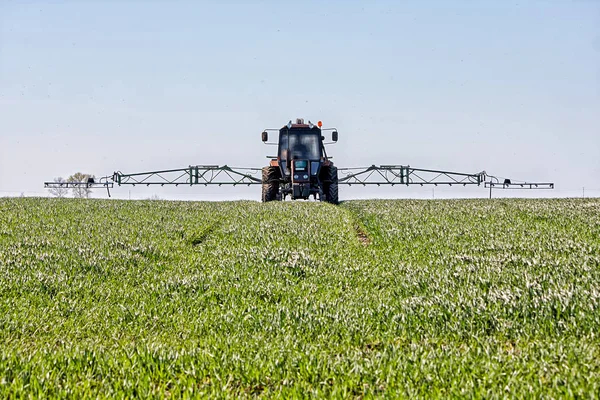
(512,88)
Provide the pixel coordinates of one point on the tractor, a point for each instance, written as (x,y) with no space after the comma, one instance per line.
(301,168)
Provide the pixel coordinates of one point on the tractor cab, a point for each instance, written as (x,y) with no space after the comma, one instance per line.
(300,150)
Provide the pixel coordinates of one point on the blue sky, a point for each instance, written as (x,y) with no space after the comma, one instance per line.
(512,88)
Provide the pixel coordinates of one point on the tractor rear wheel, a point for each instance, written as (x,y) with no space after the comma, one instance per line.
(330,185)
(270,184)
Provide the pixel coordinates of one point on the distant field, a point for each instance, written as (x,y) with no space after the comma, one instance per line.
(485,298)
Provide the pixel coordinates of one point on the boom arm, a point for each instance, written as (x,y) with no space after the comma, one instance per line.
(192,175)
(405,175)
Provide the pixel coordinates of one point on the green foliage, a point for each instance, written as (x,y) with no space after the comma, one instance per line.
(481,298)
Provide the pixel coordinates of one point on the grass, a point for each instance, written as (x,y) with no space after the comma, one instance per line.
(461,298)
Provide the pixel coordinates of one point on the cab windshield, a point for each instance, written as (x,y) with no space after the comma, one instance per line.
(302,146)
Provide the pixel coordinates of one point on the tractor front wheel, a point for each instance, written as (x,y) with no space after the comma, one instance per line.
(330,185)
(270,184)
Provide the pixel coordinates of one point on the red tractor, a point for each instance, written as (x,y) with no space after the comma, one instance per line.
(301,168)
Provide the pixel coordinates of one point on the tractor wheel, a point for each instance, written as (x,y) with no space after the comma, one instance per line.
(330,186)
(270,184)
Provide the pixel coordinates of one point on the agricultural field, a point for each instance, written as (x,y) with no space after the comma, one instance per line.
(470,298)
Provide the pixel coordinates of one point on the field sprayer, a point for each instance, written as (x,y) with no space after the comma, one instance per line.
(301,169)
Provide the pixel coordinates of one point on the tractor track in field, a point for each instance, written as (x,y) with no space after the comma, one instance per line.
(357,225)
(362,236)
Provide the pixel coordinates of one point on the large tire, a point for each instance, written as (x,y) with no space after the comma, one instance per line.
(270,184)
(330,185)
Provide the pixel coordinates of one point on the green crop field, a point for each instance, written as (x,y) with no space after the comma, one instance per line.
(469,298)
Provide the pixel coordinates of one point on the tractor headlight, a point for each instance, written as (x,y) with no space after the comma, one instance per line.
(305,176)
(295,176)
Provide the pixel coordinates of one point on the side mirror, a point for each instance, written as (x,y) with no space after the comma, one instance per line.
(334,136)
(265,136)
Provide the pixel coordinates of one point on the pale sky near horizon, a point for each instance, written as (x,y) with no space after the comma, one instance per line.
(512,88)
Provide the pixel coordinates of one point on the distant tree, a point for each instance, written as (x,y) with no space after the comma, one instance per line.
(81,191)
(154,197)
(59,191)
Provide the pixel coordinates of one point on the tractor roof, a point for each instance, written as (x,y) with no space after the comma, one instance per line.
(300,126)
